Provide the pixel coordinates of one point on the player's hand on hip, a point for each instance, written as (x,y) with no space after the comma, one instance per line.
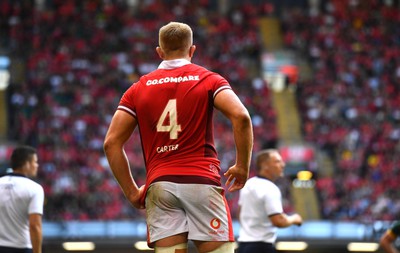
(135,198)
(237,177)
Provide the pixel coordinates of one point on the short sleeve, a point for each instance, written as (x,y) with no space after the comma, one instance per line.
(37,200)
(218,83)
(273,201)
(127,102)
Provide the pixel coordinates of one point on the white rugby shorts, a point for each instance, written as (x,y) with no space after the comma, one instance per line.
(199,209)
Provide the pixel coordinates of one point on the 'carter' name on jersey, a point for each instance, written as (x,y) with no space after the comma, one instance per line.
(168,148)
(173,80)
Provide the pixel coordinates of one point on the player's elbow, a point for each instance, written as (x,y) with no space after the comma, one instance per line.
(245,118)
(108,144)
(280,220)
(280,224)
(242,119)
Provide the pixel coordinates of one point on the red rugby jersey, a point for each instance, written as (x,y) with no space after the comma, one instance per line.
(173,106)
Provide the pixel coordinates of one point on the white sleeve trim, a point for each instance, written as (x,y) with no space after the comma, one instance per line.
(124,108)
(220,89)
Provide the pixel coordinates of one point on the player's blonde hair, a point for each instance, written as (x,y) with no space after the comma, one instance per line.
(175,36)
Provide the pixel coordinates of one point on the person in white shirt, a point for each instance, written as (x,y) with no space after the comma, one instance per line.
(260,201)
(21,204)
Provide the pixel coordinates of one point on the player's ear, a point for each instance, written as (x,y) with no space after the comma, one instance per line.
(160,53)
(191,50)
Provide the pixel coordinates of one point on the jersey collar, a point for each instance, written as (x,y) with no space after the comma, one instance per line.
(14,174)
(262,177)
(172,64)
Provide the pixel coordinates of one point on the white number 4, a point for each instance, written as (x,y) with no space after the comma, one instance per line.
(173,128)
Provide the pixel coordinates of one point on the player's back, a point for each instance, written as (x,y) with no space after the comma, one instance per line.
(174,110)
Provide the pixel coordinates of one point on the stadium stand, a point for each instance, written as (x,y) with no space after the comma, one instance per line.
(350,109)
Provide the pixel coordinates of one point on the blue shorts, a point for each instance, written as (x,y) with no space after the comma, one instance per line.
(14,250)
(251,247)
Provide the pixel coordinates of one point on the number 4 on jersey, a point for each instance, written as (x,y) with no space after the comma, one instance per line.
(173,128)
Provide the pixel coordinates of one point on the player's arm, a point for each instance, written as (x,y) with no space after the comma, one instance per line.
(283,220)
(121,128)
(387,242)
(230,105)
(35,231)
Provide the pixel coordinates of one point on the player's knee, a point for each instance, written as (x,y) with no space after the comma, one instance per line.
(178,248)
(228,247)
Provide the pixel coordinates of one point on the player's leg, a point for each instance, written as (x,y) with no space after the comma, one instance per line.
(172,244)
(166,220)
(214,247)
(208,216)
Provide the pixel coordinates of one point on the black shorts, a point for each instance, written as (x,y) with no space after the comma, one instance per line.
(14,250)
(253,247)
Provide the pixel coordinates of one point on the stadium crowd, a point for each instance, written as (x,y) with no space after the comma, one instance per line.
(80,56)
(351,107)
